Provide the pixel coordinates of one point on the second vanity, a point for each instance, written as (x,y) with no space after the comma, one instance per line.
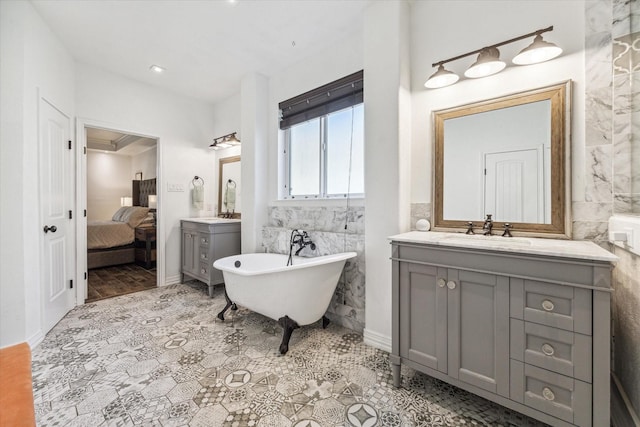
(524,322)
(205,240)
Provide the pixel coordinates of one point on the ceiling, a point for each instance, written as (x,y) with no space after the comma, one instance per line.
(206,46)
(116,142)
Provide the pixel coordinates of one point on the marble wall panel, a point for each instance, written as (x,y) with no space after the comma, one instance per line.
(419,211)
(599,186)
(326,227)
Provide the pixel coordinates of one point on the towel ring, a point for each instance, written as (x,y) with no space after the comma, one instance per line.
(196,180)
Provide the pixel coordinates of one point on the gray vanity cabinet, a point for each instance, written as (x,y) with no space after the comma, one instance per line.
(203,242)
(525,330)
(451,313)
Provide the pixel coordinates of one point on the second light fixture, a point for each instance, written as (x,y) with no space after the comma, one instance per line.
(489,62)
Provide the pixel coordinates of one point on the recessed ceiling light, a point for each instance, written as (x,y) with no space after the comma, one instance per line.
(156,69)
(232,1)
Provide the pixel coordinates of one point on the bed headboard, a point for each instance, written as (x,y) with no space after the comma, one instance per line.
(141,189)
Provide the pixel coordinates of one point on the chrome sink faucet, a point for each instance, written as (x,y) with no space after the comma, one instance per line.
(488,226)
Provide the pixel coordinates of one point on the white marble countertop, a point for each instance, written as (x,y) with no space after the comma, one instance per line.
(211,220)
(526,245)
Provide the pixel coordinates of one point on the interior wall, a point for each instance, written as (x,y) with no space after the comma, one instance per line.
(621,33)
(33,64)
(500,21)
(108,179)
(226,120)
(145,162)
(184,128)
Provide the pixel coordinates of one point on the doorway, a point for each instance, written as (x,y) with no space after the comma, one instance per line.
(120,177)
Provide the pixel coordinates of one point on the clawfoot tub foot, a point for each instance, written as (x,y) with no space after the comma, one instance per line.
(325,322)
(288,325)
(226,307)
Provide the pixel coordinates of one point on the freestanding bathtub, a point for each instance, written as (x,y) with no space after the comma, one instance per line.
(294,295)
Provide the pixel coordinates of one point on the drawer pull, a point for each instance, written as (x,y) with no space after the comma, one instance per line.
(203,256)
(547,305)
(548,394)
(442,283)
(548,349)
(451,284)
(203,271)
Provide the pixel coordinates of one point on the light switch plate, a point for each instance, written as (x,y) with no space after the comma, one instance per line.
(178,188)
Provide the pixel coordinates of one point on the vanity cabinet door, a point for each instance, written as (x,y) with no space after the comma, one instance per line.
(190,262)
(478,334)
(423,315)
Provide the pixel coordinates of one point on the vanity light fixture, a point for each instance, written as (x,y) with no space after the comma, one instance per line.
(488,61)
(441,78)
(536,52)
(225,141)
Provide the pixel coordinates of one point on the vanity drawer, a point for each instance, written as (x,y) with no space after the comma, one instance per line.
(562,397)
(558,306)
(203,270)
(557,350)
(204,240)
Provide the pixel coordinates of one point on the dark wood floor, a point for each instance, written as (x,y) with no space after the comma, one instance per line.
(117,280)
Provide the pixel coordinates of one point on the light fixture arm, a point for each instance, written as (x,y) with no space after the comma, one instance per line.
(515,39)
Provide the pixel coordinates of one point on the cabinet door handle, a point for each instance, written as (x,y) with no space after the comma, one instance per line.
(451,284)
(547,305)
(442,283)
(548,394)
(548,349)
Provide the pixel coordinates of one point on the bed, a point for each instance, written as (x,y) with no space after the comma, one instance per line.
(112,242)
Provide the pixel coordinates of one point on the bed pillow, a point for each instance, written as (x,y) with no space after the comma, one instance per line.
(135,215)
(119,213)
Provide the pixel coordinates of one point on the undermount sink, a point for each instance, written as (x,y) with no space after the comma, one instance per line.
(498,241)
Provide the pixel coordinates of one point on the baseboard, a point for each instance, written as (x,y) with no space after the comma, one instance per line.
(622,413)
(35,339)
(377,340)
(171,280)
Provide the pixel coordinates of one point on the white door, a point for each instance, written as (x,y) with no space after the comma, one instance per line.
(514,186)
(56,198)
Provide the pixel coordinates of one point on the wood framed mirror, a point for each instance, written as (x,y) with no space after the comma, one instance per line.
(508,157)
(229,187)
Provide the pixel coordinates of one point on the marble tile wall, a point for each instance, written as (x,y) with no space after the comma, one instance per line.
(626,106)
(420,211)
(625,157)
(326,227)
(590,215)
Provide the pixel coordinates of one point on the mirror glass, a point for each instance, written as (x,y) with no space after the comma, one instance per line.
(229,187)
(505,157)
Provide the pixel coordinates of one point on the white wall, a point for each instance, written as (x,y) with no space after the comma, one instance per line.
(145,162)
(340,60)
(108,179)
(387,160)
(443,29)
(184,128)
(33,63)
(226,120)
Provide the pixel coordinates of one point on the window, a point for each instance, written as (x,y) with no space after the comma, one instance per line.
(324,141)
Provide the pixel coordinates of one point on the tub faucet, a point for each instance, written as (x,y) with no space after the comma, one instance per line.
(301,239)
(488,226)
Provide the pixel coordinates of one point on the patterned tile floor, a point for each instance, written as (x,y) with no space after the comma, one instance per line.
(160,358)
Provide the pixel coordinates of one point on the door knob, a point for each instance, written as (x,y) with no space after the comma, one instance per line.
(52,229)
(451,284)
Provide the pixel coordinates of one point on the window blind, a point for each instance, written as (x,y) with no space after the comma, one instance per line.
(337,95)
